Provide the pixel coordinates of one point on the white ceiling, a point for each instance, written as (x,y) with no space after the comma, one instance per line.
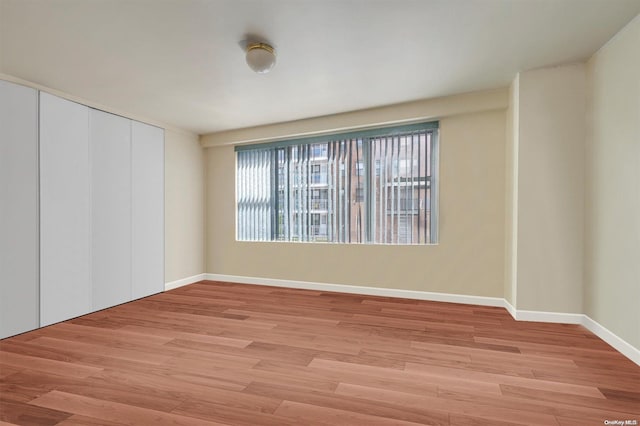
(179,61)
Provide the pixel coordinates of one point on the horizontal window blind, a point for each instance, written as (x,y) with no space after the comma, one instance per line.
(374,187)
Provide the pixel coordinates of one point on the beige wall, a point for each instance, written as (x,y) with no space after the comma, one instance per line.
(184,206)
(550,189)
(511,197)
(468,260)
(612,250)
(421,110)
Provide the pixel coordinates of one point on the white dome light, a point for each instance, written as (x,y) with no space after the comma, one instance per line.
(261,57)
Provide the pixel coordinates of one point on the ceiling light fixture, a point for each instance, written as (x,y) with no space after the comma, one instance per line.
(261,57)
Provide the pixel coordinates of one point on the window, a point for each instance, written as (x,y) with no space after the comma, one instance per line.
(319,173)
(374,186)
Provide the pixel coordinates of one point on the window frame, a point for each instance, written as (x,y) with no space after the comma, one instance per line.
(369,170)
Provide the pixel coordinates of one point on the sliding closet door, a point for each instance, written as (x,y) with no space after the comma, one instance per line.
(110,146)
(65,290)
(18,209)
(147,147)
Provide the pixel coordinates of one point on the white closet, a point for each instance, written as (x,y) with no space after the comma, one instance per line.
(18,209)
(98,213)
(65,208)
(111,221)
(147,159)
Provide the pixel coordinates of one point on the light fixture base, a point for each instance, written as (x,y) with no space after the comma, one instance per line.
(261,57)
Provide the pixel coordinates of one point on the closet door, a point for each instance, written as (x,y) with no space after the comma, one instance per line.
(110,147)
(147,148)
(18,209)
(65,290)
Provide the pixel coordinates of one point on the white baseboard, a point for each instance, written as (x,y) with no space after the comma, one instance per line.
(618,343)
(596,328)
(509,307)
(370,291)
(184,281)
(540,316)
(519,315)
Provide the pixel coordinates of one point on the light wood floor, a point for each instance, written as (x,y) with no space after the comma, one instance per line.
(217,353)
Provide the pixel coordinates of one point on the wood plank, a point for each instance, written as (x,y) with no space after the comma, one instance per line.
(8,370)
(303,413)
(470,420)
(47,365)
(26,414)
(12,392)
(77,420)
(622,382)
(39,383)
(332,401)
(113,411)
(211,411)
(194,337)
(283,318)
(445,405)
(81,333)
(310,378)
(526,406)
(173,384)
(429,371)
(621,395)
(556,398)
(449,382)
(94,359)
(558,351)
(439,316)
(108,351)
